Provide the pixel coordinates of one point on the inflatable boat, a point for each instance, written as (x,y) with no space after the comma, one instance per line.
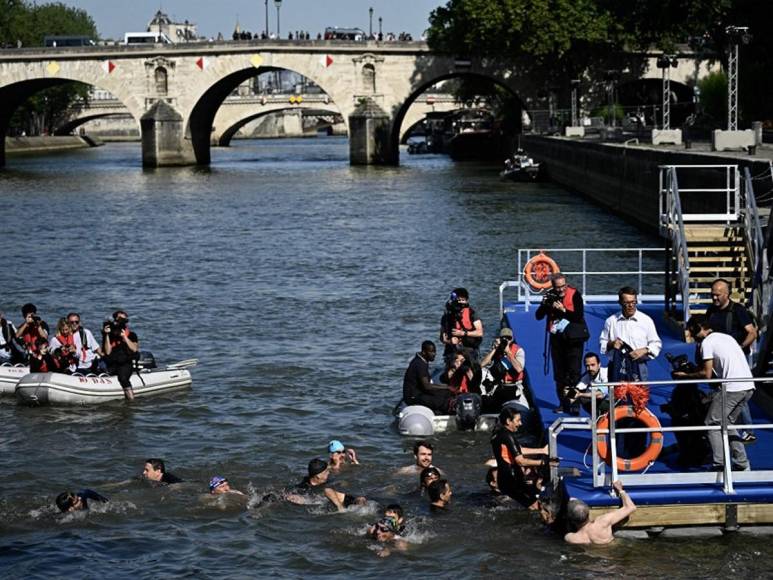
(9,376)
(61,389)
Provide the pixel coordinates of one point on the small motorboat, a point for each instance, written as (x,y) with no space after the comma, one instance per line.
(62,389)
(9,376)
(520,167)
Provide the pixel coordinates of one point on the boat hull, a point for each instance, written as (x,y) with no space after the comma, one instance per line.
(61,389)
(9,377)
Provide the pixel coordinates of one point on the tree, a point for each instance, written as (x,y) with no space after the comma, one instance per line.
(19,21)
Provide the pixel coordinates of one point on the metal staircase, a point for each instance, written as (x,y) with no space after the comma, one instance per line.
(712,228)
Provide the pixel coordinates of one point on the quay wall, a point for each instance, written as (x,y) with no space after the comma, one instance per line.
(625,179)
(47,144)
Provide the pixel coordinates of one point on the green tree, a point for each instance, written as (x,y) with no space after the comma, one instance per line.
(19,21)
(713,99)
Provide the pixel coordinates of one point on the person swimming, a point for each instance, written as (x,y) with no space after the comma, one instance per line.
(220,486)
(72,502)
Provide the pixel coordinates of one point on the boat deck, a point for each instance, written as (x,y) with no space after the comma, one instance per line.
(708,503)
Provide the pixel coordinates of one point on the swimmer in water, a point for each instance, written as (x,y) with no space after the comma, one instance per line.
(318,474)
(74,502)
(385,532)
(422,451)
(340,456)
(439,493)
(427,476)
(392,512)
(598,531)
(220,486)
(155,471)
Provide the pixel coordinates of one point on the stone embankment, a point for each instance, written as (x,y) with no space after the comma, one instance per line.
(47,144)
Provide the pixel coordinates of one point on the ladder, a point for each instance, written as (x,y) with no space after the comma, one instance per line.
(711,226)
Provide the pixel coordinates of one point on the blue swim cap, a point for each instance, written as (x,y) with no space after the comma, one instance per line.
(216,482)
(335,446)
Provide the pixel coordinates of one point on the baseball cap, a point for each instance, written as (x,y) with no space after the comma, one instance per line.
(216,482)
(335,446)
(506,332)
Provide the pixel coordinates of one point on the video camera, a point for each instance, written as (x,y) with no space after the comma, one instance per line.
(680,363)
(551,296)
(116,327)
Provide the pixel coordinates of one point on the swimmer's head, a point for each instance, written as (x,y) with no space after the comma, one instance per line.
(394,511)
(318,470)
(218,485)
(154,469)
(335,446)
(439,491)
(428,475)
(578,512)
(69,502)
(423,452)
(384,530)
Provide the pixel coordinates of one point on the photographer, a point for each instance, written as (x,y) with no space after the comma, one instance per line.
(582,392)
(563,308)
(458,374)
(10,349)
(121,346)
(460,328)
(721,356)
(32,329)
(506,362)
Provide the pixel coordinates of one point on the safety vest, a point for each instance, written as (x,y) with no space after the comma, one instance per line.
(511,376)
(464,322)
(568,303)
(460,382)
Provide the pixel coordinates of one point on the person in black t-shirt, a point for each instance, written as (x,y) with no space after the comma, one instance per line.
(318,473)
(418,388)
(121,347)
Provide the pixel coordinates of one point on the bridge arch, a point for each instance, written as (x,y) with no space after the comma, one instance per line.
(421,88)
(208,101)
(228,134)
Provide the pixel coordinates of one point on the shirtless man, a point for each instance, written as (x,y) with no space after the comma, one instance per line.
(598,531)
(422,450)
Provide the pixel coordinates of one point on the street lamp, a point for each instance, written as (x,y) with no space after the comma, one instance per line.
(266,18)
(370,30)
(380,34)
(575,84)
(738,35)
(666,63)
(278,4)
(611,76)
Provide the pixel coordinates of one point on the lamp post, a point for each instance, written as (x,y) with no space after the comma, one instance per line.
(575,84)
(380,34)
(266,18)
(370,28)
(611,77)
(278,4)
(666,62)
(738,35)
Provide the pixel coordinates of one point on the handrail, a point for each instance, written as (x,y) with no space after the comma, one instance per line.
(678,237)
(590,424)
(761,288)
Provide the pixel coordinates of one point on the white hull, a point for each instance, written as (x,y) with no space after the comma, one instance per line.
(9,376)
(60,389)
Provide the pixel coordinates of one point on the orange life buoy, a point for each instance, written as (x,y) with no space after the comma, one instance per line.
(650,454)
(538,270)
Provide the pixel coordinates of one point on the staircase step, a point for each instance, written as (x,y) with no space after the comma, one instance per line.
(714,269)
(717,259)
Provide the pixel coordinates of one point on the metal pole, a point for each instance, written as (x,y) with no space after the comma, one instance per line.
(612,437)
(380,33)
(574,107)
(728,467)
(666,98)
(732,88)
(266,18)
(370,28)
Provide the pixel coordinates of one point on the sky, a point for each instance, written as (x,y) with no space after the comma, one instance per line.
(115,17)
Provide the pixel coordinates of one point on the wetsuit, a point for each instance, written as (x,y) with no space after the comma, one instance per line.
(90,494)
(169,478)
(510,478)
(306,488)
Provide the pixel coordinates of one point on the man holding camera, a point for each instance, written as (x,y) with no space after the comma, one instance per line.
(583,392)
(10,350)
(460,328)
(629,339)
(32,330)
(121,347)
(563,308)
(721,356)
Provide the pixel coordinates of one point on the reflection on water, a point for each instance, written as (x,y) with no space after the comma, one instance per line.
(304,286)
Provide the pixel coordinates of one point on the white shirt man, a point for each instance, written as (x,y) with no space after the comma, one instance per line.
(594,374)
(632,328)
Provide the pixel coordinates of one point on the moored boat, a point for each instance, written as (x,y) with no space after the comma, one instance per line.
(62,389)
(9,376)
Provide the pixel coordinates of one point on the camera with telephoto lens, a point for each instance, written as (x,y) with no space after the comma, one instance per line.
(35,319)
(454,306)
(116,327)
(551,296)
(680,363)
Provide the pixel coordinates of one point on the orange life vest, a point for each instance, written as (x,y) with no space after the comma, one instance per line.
(511,376)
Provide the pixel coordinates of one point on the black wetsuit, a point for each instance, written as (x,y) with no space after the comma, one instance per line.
(90,494)
(510,479)
(306,488)
(169,478)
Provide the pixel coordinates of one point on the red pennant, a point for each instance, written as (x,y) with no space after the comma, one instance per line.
(110,66)
(328,61)
(200,63)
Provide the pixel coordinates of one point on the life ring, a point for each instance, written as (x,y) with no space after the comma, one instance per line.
(538,270)
(650,454)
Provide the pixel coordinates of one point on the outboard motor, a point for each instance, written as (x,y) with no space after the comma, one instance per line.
(416,420)
(468,408)
(145,360)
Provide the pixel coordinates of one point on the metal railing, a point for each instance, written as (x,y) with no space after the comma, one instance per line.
(731,192)
(727,477)
(761,285)
(672,226)
(583,256)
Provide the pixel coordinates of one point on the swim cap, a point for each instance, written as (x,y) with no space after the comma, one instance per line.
(387,525)
(317,466)
(216,482)
(335,446)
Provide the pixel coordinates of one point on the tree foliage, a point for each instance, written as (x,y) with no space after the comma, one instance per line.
(29,24)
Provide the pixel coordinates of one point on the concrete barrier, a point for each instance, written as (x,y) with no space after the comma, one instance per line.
(47,144)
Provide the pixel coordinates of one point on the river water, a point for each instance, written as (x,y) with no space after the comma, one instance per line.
(303,286)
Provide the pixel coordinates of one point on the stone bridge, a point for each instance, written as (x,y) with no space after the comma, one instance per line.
(175,91)
(239,110)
